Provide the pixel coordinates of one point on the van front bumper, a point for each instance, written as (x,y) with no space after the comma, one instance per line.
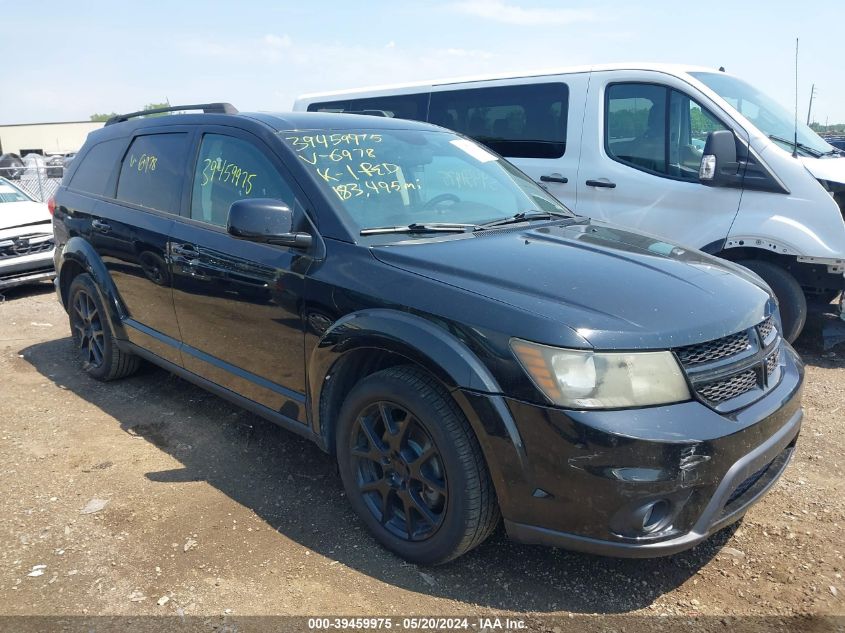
(643,482)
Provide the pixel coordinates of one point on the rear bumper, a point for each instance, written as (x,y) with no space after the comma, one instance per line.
(585,480)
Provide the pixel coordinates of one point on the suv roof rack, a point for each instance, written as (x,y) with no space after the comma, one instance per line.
(207,108)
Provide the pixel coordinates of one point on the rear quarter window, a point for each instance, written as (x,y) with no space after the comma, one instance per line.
(153,171)
(96,167)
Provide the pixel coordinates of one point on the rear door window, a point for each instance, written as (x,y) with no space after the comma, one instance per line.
(231,169)
(526,121)
(153,170)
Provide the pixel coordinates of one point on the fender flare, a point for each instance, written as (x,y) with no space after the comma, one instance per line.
(80,252)
(433,348)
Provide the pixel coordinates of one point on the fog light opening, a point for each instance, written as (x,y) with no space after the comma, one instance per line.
(655,515)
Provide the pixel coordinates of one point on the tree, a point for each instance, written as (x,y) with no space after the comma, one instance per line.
(149,106)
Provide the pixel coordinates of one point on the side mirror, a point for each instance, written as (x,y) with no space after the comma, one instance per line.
(718,164)
(265,221)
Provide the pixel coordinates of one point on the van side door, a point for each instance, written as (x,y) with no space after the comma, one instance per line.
(644,135)
(534,123)
(238,302)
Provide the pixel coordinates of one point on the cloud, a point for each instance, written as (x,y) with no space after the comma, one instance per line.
(501,11)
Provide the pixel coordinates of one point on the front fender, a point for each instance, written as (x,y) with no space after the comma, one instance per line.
(79,252)
(439,351)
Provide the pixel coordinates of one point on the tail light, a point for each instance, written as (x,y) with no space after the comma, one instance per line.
(51,205)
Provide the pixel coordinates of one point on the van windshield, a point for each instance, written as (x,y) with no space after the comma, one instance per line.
(403,177)
(765,113)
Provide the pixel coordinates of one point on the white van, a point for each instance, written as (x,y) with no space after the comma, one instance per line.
(625,142)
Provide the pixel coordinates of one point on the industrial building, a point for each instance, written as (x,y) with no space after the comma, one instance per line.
(45,138)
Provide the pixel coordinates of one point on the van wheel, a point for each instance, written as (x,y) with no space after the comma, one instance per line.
(92,337)
(791,299)
(412,467)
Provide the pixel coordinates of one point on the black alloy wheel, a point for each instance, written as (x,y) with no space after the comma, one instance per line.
(399,471)
(93,338)
(413,468)
(87,328)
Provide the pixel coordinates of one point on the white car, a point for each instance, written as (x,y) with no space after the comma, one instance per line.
(26,238)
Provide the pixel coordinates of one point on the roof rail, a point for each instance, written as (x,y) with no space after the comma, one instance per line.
(207,108)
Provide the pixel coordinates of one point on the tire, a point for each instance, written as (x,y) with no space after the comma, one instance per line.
(405,449)
(92,336)
(791,299)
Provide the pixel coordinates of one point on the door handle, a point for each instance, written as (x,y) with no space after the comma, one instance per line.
(99,225)
(554,178)
(601,183)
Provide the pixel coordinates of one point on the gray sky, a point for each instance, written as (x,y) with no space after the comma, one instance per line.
(67,60)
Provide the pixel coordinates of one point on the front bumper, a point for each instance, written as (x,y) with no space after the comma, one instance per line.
(581,479)
(26,269)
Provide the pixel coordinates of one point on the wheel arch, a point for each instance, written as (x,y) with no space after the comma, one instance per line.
(78,256)
(362,343)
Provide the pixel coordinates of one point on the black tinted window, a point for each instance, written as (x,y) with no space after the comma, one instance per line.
(231,169)
(396,106)
(152,171)
(517,121)
(94,172)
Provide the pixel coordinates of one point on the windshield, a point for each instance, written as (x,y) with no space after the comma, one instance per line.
(10,193)
(402,177)
(765,113)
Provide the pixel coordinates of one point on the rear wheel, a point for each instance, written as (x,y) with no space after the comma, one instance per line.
(790,296)
(92,337)
(412,467)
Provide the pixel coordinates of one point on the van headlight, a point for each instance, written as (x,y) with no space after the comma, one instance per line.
(583,379)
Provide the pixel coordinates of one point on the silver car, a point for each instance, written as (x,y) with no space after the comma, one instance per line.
(26,238)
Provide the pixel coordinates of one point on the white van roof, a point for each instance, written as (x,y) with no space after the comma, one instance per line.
(671,69)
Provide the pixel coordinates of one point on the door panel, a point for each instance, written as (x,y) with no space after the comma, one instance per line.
(130,235)
(640,151)
(238,303)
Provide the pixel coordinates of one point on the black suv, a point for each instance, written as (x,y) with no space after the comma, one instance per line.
(464,345)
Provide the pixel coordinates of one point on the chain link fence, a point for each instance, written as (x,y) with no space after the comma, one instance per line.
(39,185)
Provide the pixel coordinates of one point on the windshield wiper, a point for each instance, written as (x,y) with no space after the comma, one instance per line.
(416,227)
(812,151)
(525,216)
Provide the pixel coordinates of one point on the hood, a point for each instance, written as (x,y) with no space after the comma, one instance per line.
(830,168)
(14,214)
(615,288)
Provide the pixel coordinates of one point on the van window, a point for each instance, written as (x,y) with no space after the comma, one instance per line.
(413,106)
(527,121)
(231,169)
(94,172)
(657,129)
(152,171)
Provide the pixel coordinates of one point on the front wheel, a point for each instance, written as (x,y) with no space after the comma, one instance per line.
(790,296)
(412,467)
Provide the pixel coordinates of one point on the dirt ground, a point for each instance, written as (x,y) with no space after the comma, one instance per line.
(212,511)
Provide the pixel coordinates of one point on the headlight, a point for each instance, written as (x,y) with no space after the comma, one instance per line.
(582,379)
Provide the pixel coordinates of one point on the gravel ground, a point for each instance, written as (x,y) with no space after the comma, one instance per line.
(149,496)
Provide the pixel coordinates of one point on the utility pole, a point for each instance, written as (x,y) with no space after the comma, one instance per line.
(810,108)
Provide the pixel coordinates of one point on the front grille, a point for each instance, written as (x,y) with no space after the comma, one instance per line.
(727,388)
(743,487)
(766,328)
(714,350)
(772,362)
(23,246)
